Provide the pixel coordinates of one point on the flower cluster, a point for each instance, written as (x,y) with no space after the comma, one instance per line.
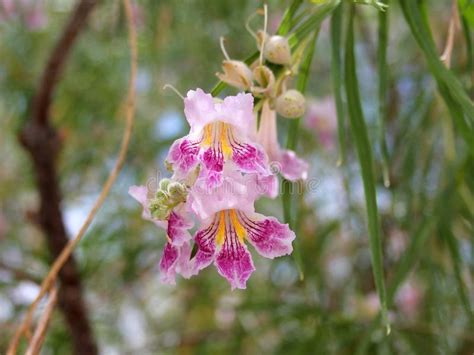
(222,167)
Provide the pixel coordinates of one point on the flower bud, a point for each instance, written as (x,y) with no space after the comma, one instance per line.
(158,210)
(265,79)
(236,73)
(163,185)
(291,104)
(277,50)
(177,192)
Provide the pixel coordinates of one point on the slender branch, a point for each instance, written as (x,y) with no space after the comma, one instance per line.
(68,249)
(40,332)
(41,140)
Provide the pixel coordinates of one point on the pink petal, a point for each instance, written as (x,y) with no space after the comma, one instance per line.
(234,262)
(175,260)
(238,111)
(269,237)
(206,243)
(292,167)
(251,158)
(199,109)
(235,191)
(178,229)
(183,155)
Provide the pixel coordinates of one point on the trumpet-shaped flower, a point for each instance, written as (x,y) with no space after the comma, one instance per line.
(228,222)
(177,251)
(291,167)
(221,131)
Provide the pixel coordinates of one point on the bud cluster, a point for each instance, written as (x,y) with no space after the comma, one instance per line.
(267,77)
(169,194)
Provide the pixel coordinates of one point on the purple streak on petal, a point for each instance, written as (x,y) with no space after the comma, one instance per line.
(213,161)
(175,260)
(250,158)
(269,237)
(178,229)
(292,167)
(206,242)
(183,154)
(234,262)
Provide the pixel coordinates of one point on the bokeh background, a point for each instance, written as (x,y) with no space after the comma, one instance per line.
(332,309)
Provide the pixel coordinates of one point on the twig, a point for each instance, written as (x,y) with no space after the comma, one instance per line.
(65,254)
(40,332)
(453,26)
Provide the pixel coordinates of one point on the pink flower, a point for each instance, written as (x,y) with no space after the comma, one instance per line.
(228,221)
(220,132)
(177,251)
(322,119)
(289,165)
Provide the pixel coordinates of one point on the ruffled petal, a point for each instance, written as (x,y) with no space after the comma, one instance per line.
(183,155)
(206,242)
(269,237)
(250,158)
(175,260)
(238,111)
(199,109)
(177,230)
(235,191)
(234,262)
(292,167)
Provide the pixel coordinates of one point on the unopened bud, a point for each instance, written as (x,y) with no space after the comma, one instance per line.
(277,50)
(161,196)
(158,210)
(291,104)
(236,74)
(163,185)
(265,79)
(177,192)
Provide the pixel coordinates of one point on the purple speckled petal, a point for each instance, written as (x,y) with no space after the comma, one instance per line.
(250,158)
(212,172)
(292,167)
(206,242)
(234,262)
(269,237)
(175,260)
(183,155)
(178,229)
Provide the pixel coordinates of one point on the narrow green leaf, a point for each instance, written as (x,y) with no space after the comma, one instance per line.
(418,23)
(336,73)
(364,152)
(470,55)
(383,85)
(286,22)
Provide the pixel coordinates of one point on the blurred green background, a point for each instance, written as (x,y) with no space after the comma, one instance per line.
(427,210)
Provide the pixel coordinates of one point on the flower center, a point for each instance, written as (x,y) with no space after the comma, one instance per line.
(219,136)
(229,224)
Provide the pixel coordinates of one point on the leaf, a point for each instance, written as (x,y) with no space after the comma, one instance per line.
(336,74)
(449,86)
(364,152)
(466,8)
(383,84)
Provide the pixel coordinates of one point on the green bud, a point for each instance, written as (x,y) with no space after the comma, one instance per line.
(177,191)
(163,185)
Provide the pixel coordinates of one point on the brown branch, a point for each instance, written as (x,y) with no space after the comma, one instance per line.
(62,260)
(40,332)
(42,142)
